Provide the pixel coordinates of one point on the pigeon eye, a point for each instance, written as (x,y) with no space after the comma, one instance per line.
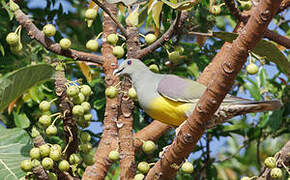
(129,62)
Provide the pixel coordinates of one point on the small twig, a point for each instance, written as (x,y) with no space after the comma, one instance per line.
(232,6)
(181,17)
(284,5)
(200,34)
(233,155)
(52,46)
(119,25)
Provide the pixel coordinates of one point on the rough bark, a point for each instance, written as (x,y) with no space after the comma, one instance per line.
(112,16)
(151,132)
(282,40)
(243,17)
(179,20)
(127,151)
(109,139)
(52,46)
(218,87)
(69,124)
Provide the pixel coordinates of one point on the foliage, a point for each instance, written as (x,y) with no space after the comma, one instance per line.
(239,137)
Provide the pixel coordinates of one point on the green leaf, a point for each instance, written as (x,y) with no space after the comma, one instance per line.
(263,48)
(253,88)
(2,50)
(21,120)
(262,77)
(275,119)
(132,18)
(184,5)
(15,145)
(271,52)
(36,94)
(10,13)
(14,84)
(156,10)
(193,69)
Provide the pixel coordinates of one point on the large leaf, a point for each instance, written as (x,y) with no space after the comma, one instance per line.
(14,147)
(16,83)
(156,10)
(263,48)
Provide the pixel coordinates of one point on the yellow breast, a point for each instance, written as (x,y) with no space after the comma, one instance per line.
(168,111)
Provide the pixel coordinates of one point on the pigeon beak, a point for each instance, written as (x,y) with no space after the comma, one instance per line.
(117,72)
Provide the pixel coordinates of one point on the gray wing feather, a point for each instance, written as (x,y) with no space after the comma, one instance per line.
(185,90)
(179,89)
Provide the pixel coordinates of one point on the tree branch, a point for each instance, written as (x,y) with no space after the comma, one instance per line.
(232,6)
(282,40)
(177,23)
(50,45)
(217,89)
(69,124)
(151,132)
(127,150)
(281,157)
(113,17)
(109,141)
(284,5)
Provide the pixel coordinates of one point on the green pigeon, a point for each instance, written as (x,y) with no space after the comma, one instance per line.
(171,99)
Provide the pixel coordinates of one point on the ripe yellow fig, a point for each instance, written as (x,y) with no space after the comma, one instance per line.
(148,147)
(12,39)
(276,173)
(143,167)
(65,43)
(187,167)
(113,39)
(111,92)
(132,93)
(252,68)
(114,155)
(49,30)
(91,13)
(34,153)
(270,162)
(246,5)
(154,68)
(139,177)
(44,106)
(92,45)
(150,38)
(174,57)
(26,165)
(47,163)
(118,51)
(63,165)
